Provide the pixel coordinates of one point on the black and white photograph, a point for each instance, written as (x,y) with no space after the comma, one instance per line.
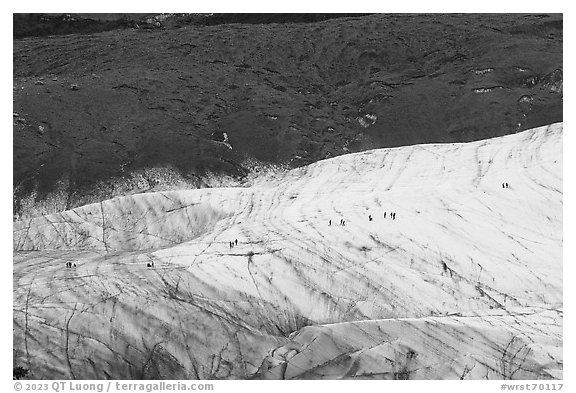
(287,196)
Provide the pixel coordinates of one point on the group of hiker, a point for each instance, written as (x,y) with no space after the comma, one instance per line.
(70,264)
(370,218)
(392,216)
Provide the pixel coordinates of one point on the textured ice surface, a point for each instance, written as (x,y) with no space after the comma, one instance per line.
(466,282)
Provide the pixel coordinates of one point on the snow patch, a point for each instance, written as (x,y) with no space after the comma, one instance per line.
(367,120)
(486,89)
(483,71)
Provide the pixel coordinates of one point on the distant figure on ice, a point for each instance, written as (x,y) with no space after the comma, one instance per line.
(506,185)
(384,214)
(369,217)
(393,215)
(74,265)
(329,222)
(231,244)
(236,242)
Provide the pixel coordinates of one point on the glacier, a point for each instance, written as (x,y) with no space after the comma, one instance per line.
(465,282)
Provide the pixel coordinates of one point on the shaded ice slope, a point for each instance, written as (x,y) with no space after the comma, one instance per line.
(141,221)
(460,244)
(521,343)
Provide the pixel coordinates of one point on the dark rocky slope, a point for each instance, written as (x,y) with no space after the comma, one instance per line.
(92,109)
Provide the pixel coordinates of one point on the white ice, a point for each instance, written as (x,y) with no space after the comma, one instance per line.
(465,282)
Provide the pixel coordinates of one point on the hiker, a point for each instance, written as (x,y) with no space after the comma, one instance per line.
(74,265)
(230,244)
(343,223)
(369,217)
(393,215)
(503,185)
(384,214)
(329,223)
(507,185)
(236,242)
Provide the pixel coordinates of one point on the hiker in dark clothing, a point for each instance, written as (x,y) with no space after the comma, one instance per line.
(369,218)
(503,185)
(393,215)
(384,214)
(74,265)
(507,185)
(236,242)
